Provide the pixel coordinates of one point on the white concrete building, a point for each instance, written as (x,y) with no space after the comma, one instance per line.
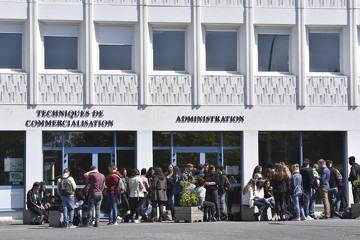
(152,82)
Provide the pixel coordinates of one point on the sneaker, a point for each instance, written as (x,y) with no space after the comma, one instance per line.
(297,219)
(71,226)
(309,218)
(114,223)
(110,223)
(128,212)
(118,218)
(96,224)
(136,221)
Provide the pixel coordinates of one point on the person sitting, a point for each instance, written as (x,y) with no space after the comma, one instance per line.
(33,203)
(209,207)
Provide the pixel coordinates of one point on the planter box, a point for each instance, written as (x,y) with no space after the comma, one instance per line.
(355,210)
(188,214)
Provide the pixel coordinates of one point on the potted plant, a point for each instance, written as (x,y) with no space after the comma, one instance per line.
(189,210)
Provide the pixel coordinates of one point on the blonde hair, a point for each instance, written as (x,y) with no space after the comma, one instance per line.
(250,184)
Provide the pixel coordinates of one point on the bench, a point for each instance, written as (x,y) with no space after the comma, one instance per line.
(247,213)
(28,217)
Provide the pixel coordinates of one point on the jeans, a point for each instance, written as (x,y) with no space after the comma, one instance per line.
(334,199)
(112,204)
(223,205)
(308,205)
(94,201)
(297,205)
(170,204)
(68,203)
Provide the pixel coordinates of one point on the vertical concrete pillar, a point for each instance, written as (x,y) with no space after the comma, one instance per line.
(33,158)
(352,144)
(144,149)
(250,154)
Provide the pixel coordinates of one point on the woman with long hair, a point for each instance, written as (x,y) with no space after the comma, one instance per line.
(279,183)
(158,192)
(296,190)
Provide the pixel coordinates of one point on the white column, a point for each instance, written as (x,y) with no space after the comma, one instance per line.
(144,149)
(353,139)
(250,154)
(33,158)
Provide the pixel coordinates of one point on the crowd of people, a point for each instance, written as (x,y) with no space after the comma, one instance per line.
(146,195)
(287,192)
(290,192)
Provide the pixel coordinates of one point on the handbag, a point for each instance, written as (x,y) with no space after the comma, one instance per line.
(303,198)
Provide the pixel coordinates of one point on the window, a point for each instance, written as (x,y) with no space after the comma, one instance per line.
(324,52)
(169,50)
(221,51)
(61,46)
(273,52)
(115,47)
(12,152)
(61,52)
(11,50)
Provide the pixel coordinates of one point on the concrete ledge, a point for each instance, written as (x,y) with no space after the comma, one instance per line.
(28,217)
(55,219)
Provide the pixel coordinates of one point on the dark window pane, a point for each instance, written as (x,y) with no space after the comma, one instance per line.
(52,139)
(273,53)
(162,158)
(197,139)
(10,50)
(12,153)
(61,52)
(221,51)
(126,159)
(275,147)
(324,52)
(89,139)
(169,50)
(161,138)
(115,57)
(125,139)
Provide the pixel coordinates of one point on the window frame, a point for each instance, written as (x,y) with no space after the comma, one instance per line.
(14,28)
(105,36)
(223,29)
(151,50)
(272,31)
(324,30)
(60,30)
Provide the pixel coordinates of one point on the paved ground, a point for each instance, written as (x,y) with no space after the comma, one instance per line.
(316,229)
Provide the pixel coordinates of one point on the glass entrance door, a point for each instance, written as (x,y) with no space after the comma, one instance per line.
(79,163)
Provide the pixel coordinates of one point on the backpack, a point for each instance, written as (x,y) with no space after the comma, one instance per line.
(66,188)
(120,187)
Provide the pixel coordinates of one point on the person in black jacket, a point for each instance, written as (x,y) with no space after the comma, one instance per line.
(354,173)
(33,203)
(211,185)
(308,186)
(334,191)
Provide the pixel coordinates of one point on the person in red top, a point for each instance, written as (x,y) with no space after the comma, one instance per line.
(97,184)
(112,181)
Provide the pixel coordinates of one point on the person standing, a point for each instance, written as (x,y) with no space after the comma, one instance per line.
(308,185)
(353,175)
(334,191)
(211,185)
(111,183)
(97,184)
(158,192)
(296,192)
(66,187)
(324,187)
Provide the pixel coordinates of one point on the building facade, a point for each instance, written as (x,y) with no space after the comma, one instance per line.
(153,82)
